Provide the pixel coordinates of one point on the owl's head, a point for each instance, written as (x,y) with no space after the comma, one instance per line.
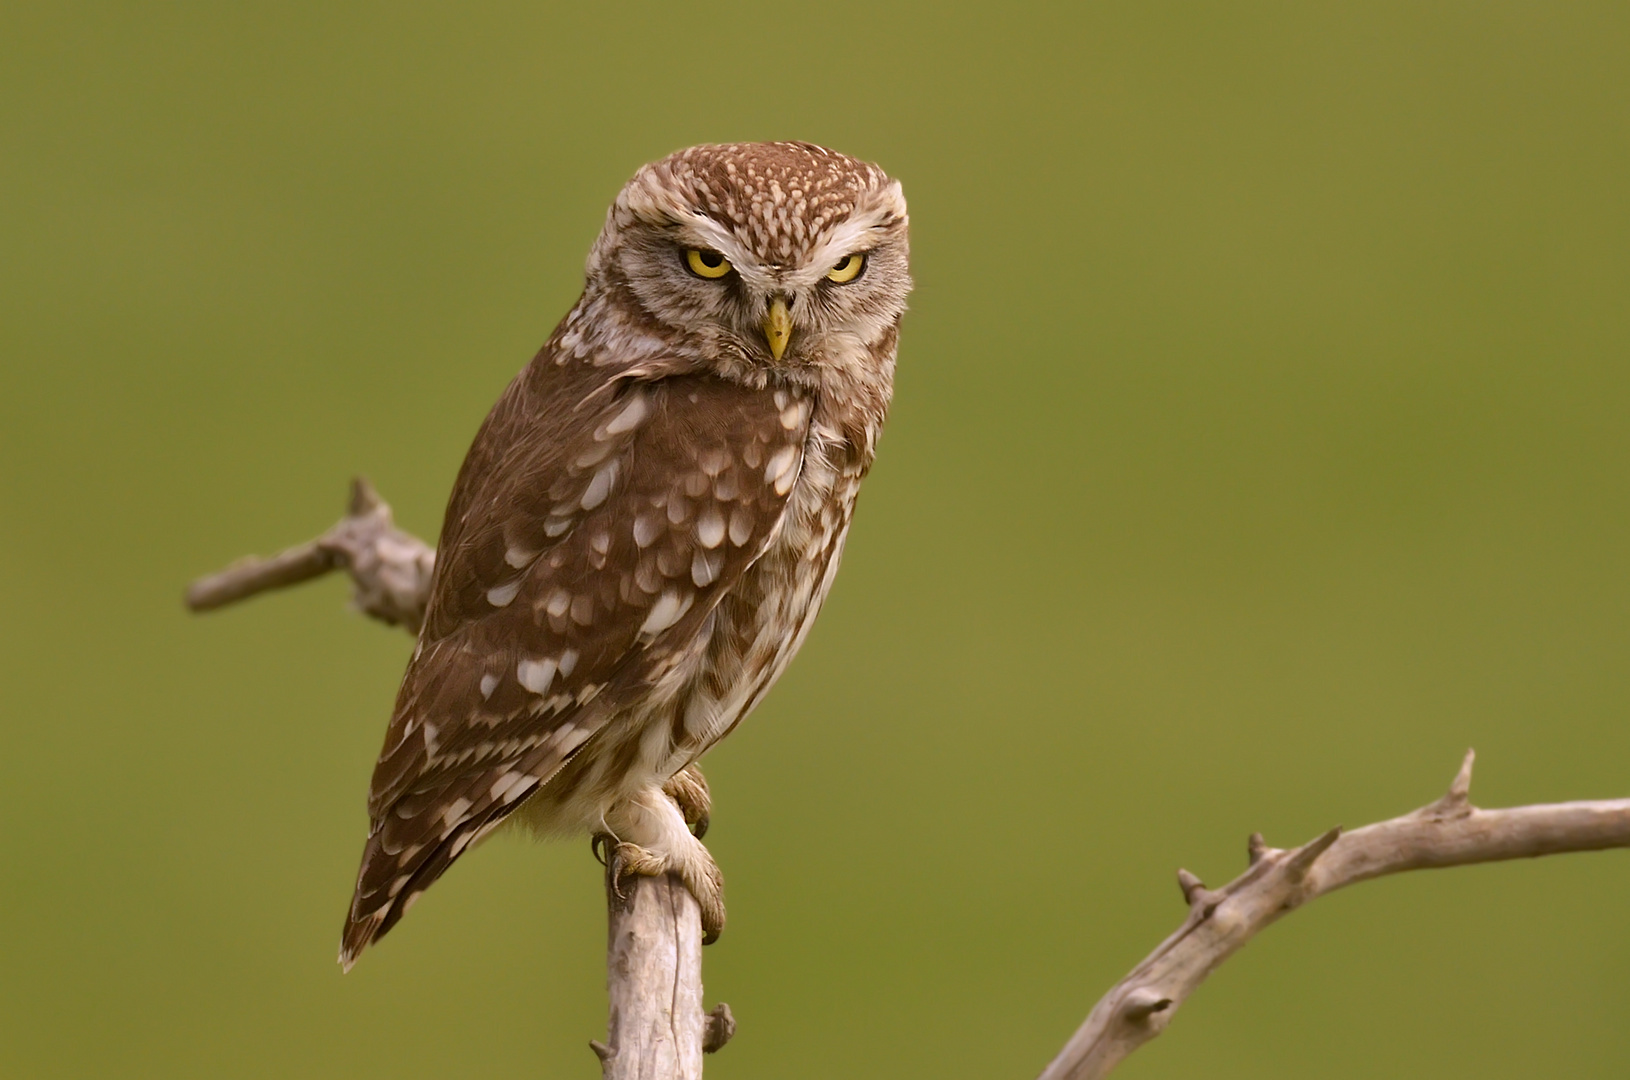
(783,254)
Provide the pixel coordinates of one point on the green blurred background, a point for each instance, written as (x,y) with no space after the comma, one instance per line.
(1260,444)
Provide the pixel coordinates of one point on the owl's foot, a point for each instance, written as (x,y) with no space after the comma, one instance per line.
(652,838)
(688,788)
(704,881)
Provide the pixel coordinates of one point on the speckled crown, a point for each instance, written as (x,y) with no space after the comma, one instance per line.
(778,197)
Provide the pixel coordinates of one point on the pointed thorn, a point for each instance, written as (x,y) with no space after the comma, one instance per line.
(1302,861)
(720,1029)
(1191,886)
(1460,791)
(364,499)
(601,1050)
(1256,848)
(1456,802)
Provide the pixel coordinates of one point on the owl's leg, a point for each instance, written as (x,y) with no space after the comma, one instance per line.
(653,838)
(688,788)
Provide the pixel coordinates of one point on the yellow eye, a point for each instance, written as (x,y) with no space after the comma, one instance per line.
(848,268)
(707,264)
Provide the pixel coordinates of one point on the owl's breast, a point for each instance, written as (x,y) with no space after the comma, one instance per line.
(759,627)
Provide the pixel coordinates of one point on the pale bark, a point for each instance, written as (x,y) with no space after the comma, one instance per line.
(389,568)
(1449,832)
(654,980)
(657,1028)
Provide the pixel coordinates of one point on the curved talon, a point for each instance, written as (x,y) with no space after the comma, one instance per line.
(708,889)
(698,827)
(628,859)
(615,870)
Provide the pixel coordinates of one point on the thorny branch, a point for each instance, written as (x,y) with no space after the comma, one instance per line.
(657,1027)
(1448,832)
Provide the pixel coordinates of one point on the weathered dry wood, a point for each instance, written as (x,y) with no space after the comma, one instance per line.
(389,568)
(658,1030)
(654,982)
(1449,832)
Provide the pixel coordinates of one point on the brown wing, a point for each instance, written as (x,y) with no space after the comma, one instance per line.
(598,519)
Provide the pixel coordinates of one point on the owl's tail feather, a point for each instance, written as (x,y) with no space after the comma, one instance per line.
(394,873)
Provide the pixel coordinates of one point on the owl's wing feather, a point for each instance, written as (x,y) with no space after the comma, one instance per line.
(600,516)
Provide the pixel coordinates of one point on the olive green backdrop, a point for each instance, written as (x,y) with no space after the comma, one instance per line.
(1260,444)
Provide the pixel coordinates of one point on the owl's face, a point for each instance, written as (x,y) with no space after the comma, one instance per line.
(778,254)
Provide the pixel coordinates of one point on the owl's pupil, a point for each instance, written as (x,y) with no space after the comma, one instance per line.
(712,259)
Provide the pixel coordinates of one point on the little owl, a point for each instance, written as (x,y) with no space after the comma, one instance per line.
(647,522)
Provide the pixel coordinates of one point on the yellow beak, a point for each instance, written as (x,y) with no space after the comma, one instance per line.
(778,326)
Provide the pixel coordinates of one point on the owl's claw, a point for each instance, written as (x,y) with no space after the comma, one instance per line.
(622,859)
(709,895)
(701,877)
(629,859)
(688,789)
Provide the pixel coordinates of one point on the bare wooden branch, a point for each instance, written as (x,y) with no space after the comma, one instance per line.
(1448,832)
(389,568)
(657,1029)
(654,982)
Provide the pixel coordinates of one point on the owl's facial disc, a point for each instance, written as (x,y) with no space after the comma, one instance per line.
(780,254)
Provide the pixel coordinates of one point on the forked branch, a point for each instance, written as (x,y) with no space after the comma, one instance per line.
(389,568)
(657,1026)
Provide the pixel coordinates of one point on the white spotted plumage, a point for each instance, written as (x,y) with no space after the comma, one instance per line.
(647,523)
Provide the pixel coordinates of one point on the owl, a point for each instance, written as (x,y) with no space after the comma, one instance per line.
(647,522)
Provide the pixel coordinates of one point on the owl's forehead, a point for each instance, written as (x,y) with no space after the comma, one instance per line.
(779,199)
